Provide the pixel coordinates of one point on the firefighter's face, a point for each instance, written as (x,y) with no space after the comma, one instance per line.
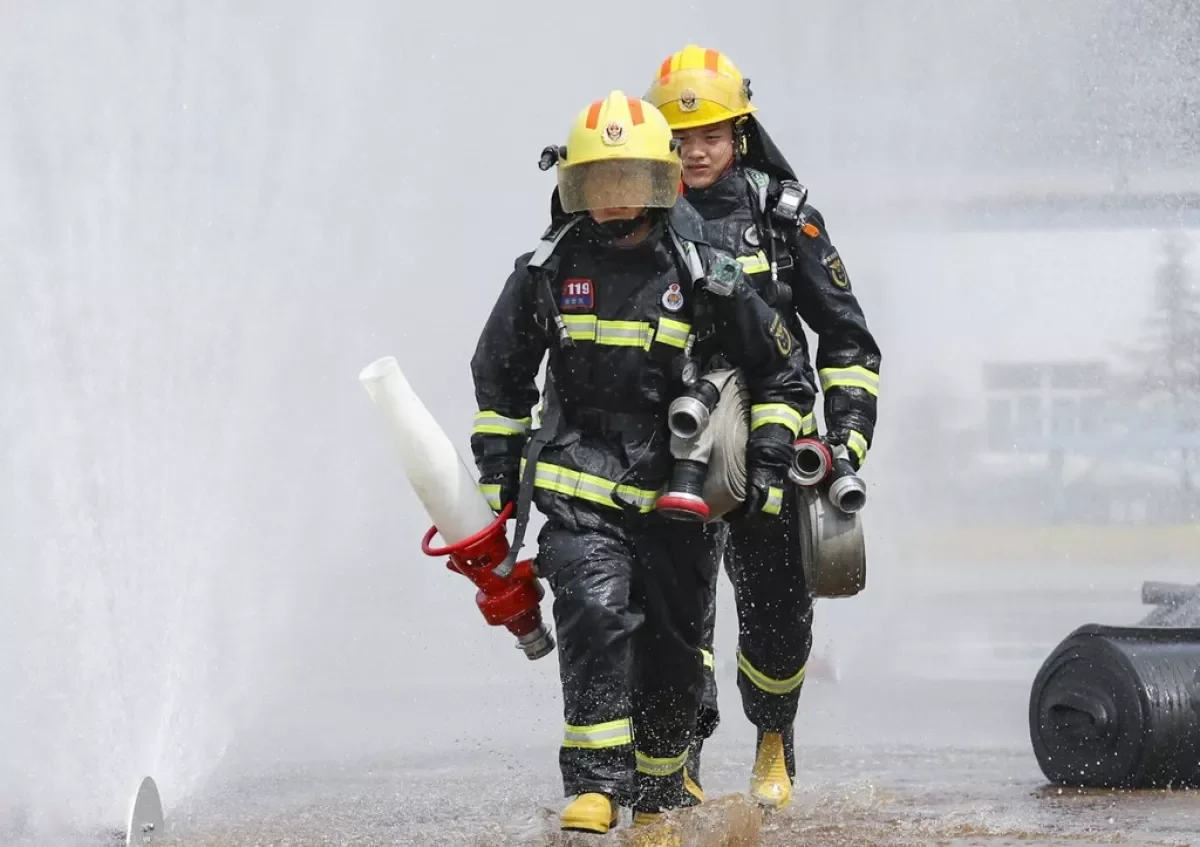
(706,152)
(607,187)
(620,213)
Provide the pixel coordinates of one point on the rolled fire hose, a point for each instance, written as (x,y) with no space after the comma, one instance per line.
(1119,707)
(725,439)
(835,554)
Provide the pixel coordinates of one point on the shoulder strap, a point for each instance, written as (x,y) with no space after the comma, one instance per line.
(550,242)
(691,257)
(759,184)
(543,265)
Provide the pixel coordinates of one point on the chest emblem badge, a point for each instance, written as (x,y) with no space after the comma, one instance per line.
(672,298)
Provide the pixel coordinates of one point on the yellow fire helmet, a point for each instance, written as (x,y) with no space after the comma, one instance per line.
(697,87)
(619,154)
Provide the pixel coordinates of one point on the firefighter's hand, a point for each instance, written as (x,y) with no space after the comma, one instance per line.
(764,493)
(765,479)
(500,489)
(841,435)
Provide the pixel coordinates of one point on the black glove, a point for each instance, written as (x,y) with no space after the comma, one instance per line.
(500,489)
(766,478)
(844,435)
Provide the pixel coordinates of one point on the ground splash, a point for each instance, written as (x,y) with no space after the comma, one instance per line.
(843,815)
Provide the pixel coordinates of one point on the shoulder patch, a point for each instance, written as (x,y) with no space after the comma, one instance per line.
(783,338)
(837,271)
(578,295)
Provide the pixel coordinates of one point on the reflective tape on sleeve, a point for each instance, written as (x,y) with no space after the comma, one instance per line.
(856,443)
(774,501)
(491,491)
(852,377)
(762,414)
(708,659)
(488,422)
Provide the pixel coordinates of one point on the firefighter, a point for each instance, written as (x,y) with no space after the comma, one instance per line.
(621,293)
(753,207)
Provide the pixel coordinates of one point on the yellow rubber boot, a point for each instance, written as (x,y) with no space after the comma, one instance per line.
(647,818)
(769,782)
(692,788)
(590,812)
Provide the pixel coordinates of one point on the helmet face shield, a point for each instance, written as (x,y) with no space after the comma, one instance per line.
(618,184)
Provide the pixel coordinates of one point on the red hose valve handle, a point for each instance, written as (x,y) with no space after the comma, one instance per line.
(507,596)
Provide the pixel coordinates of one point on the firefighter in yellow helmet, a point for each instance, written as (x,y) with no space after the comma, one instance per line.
(755,209)
(621,293)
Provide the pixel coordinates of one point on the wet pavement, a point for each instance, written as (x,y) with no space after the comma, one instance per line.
(922,740)
(891,784)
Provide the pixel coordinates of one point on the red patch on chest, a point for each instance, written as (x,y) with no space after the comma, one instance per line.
(578,295)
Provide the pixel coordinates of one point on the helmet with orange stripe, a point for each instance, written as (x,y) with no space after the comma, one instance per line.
(698,87)
(620,154)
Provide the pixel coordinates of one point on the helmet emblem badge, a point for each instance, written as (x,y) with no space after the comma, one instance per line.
(614,133)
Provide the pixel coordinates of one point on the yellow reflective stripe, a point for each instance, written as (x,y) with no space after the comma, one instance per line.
(492,492)
(488,422)
(661,766)
(624,333)
(708,659)
(852,377)
(808,424)
(594,489)
(856,442)
(774,501)
(610,333)
(580,327)
(600,735)
(672,332)
(765,683)
(755,264)
(762,414)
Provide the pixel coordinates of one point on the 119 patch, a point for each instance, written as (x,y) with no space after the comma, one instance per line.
(578,295)
(837,271)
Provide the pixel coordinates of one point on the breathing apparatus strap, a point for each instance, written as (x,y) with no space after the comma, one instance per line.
(542,264)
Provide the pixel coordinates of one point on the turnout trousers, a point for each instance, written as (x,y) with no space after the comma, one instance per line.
(628,611)
(763,559)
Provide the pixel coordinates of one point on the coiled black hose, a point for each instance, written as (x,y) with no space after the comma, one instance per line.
(1119,707)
